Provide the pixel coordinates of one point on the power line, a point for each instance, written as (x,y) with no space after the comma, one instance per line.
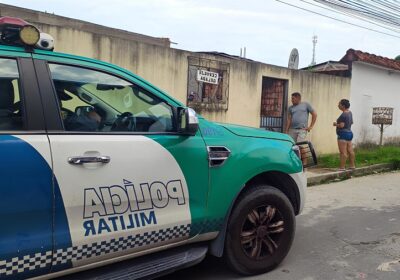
(343,21)
(378,10)
(352,16)
(364,9)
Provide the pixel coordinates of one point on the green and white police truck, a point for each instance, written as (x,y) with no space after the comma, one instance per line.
(105,175)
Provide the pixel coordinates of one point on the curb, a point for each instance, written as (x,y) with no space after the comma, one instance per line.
(343,175)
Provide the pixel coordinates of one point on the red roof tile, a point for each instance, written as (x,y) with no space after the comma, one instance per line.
(355,55)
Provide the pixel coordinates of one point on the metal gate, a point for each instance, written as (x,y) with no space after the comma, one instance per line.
(273,104)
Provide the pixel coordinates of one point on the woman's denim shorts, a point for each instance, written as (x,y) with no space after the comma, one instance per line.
(345,135)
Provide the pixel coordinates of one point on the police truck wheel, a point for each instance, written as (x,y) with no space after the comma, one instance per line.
(260,231)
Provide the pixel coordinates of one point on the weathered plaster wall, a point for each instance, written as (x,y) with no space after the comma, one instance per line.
(324,93)
(373,86)
(167,68)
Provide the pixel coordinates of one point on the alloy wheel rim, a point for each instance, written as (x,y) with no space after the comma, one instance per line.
(261,232)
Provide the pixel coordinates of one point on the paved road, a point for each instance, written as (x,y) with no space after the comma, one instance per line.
(348,230)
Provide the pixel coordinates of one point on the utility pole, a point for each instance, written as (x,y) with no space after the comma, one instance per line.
(243,52)
(314,40)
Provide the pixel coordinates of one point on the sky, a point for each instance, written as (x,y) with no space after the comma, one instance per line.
(267,28)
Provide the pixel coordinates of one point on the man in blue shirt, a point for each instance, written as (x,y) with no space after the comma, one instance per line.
(297,122)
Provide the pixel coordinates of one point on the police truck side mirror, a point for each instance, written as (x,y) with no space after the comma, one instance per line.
(188,123)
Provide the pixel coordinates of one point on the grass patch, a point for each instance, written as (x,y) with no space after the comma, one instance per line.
(365,156)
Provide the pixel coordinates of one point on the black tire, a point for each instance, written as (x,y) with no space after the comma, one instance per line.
(243,251)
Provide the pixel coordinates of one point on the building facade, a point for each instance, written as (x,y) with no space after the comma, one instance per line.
(375,85)
(237,90)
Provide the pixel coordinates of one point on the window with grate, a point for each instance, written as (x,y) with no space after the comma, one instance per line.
(208,84)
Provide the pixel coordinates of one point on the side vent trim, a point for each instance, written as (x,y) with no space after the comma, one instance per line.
(217,155)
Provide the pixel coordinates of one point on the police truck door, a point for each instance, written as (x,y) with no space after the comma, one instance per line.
(26,193)
(114,149)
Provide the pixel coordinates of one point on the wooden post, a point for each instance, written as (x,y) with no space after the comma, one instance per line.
(381,139)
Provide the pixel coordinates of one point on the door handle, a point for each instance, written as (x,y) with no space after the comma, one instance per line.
(83,159)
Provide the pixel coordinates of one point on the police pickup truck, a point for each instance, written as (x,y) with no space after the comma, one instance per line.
(99,167)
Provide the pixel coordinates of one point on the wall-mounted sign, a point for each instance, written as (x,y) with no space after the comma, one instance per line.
(382,115)
(207,77)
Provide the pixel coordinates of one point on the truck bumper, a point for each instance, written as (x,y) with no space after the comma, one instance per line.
(301,182)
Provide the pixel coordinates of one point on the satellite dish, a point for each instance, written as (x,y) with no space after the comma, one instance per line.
(294,59)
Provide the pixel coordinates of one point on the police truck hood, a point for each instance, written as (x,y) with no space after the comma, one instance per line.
(246,131)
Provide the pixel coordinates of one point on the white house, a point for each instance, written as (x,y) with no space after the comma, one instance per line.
(375,82)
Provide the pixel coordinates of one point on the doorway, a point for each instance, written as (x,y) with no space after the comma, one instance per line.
(273,104)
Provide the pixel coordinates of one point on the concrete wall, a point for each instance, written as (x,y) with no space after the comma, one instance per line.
(373,86)
(37,18)
(323,92)
(164,67)
(168,69)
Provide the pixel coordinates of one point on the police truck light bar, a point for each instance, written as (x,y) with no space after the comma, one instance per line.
(17,32)
(29,35)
